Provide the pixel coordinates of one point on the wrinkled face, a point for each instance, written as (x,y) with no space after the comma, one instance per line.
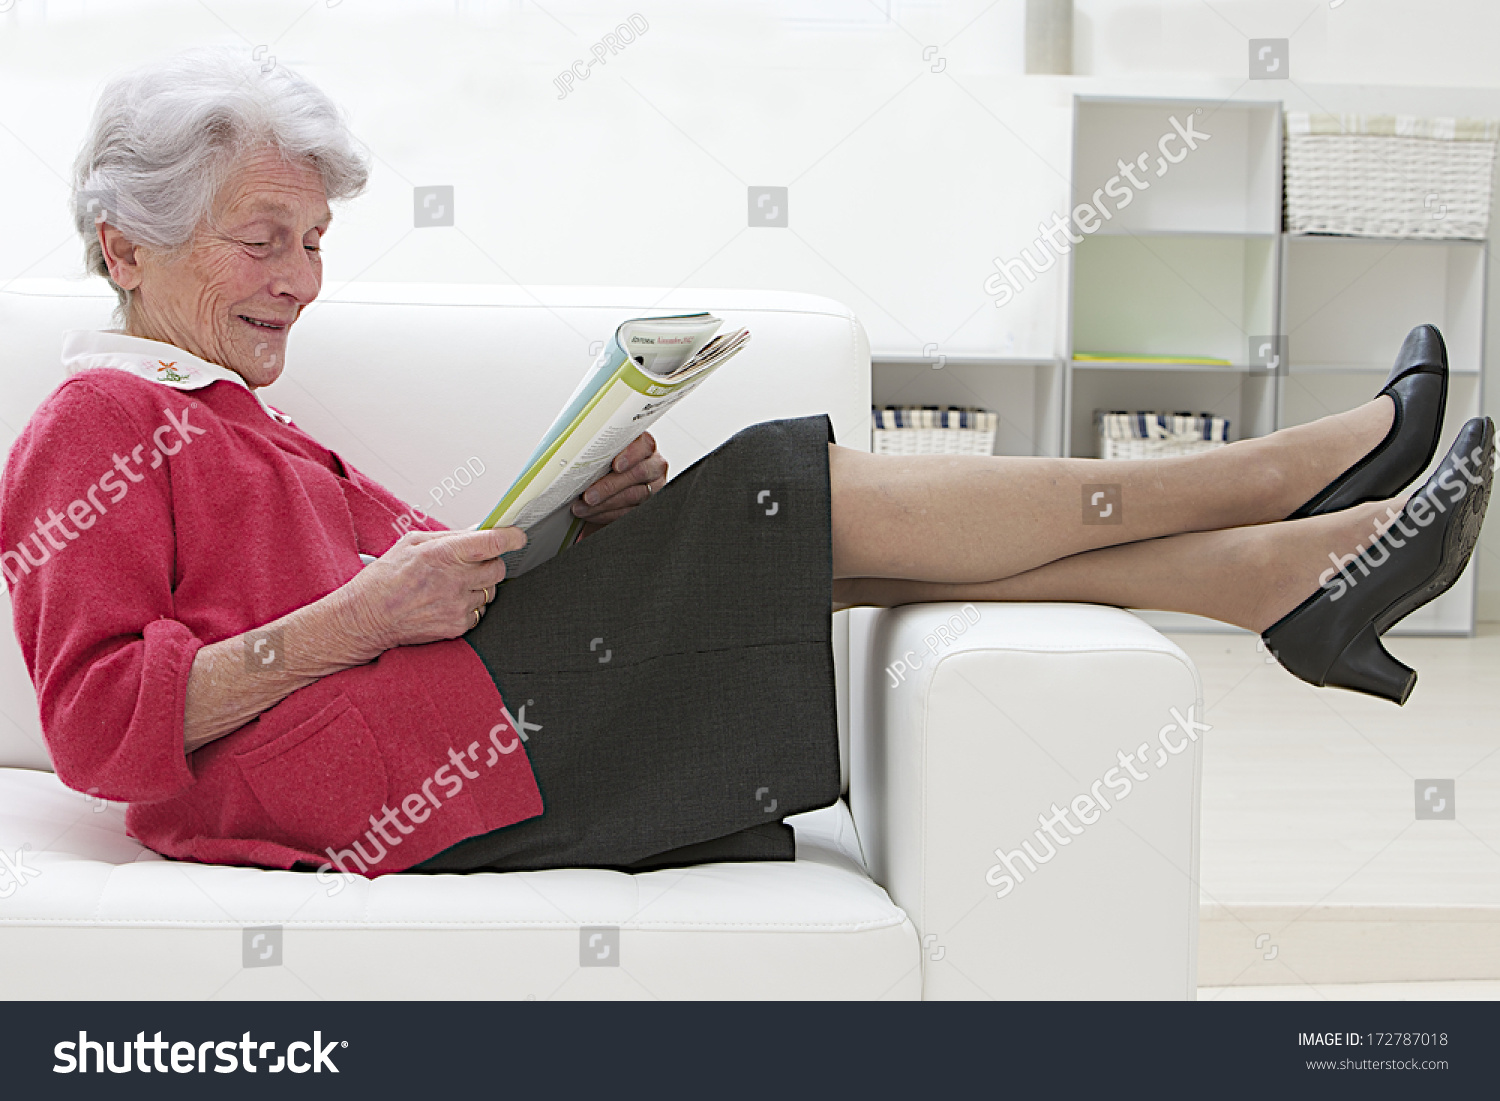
(232,296)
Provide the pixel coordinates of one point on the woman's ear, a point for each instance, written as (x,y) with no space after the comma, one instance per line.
(121,256)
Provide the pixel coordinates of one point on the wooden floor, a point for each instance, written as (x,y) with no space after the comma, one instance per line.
(1315,869)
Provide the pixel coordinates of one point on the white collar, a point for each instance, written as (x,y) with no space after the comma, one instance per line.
(152,360)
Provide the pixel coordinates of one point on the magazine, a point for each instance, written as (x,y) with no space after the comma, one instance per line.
(651,364)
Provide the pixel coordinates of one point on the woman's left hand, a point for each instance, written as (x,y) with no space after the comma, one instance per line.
(637,472)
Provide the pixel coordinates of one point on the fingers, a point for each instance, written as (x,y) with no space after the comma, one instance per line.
(413,538)
(614,507)
(471,544)
(630,466)
(432,585)
(481,546)
(471,559)
(481,583)
(485,574)
(640,447)
(622,489)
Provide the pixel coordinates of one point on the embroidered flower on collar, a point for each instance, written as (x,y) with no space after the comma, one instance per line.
(166,372)
(93,348)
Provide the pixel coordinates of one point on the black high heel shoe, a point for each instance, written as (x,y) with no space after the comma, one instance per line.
(1332,639)
(1418,384)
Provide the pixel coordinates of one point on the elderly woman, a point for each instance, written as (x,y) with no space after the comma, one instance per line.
(208,645)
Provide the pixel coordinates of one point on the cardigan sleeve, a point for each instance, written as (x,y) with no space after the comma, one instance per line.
(87,537)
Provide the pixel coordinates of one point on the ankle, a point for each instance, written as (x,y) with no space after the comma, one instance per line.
(1317,454)
(1308,555)
(1259,555)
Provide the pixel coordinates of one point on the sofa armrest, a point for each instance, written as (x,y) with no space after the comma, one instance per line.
(970,725)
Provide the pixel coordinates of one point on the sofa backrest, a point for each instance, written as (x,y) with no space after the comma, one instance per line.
(440,391)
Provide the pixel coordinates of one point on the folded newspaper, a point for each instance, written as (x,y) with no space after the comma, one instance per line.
(651,364)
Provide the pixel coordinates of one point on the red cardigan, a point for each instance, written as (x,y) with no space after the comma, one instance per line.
(120,569)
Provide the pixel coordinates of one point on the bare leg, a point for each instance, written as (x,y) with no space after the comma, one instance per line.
(1249,577)
(963,519)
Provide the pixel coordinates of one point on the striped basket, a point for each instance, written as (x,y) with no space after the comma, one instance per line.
(1389,175)
(1143,435)
(930,430)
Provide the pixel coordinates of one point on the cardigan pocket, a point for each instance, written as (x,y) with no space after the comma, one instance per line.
(322,780)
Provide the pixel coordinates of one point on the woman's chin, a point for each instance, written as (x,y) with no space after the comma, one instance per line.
(258,368)
(259,361)
(257,375)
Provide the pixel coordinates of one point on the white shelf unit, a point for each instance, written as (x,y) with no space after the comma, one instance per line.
(1348,303)
(1026,393)
(1230,184)
(1189,268)
(1197,266)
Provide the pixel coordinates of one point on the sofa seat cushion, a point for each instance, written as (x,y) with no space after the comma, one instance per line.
(97,915)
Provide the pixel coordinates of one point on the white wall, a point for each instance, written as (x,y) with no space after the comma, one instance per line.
(1401,42)
(905,183)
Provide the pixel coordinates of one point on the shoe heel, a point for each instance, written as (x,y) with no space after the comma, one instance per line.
(1366,666)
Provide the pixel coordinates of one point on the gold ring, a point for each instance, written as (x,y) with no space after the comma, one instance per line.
(478,615)
(488,595)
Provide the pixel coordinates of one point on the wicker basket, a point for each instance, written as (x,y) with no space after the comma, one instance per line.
(1144,435)
(929,430)
(1389,175)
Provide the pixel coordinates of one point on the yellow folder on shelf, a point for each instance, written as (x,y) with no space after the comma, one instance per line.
(1129,357)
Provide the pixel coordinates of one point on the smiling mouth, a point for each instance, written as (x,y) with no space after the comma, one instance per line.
(269,326)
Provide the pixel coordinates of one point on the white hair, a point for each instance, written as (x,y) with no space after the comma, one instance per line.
(164,138)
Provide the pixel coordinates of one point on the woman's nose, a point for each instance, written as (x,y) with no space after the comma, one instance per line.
(297,275)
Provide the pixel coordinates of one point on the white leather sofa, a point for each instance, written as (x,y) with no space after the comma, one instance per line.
(959,727)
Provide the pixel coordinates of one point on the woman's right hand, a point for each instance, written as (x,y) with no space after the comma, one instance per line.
(426,588)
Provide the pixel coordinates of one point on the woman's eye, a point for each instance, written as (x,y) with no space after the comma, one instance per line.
(267,244)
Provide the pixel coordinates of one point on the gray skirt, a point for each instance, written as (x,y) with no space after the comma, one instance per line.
(673,672)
